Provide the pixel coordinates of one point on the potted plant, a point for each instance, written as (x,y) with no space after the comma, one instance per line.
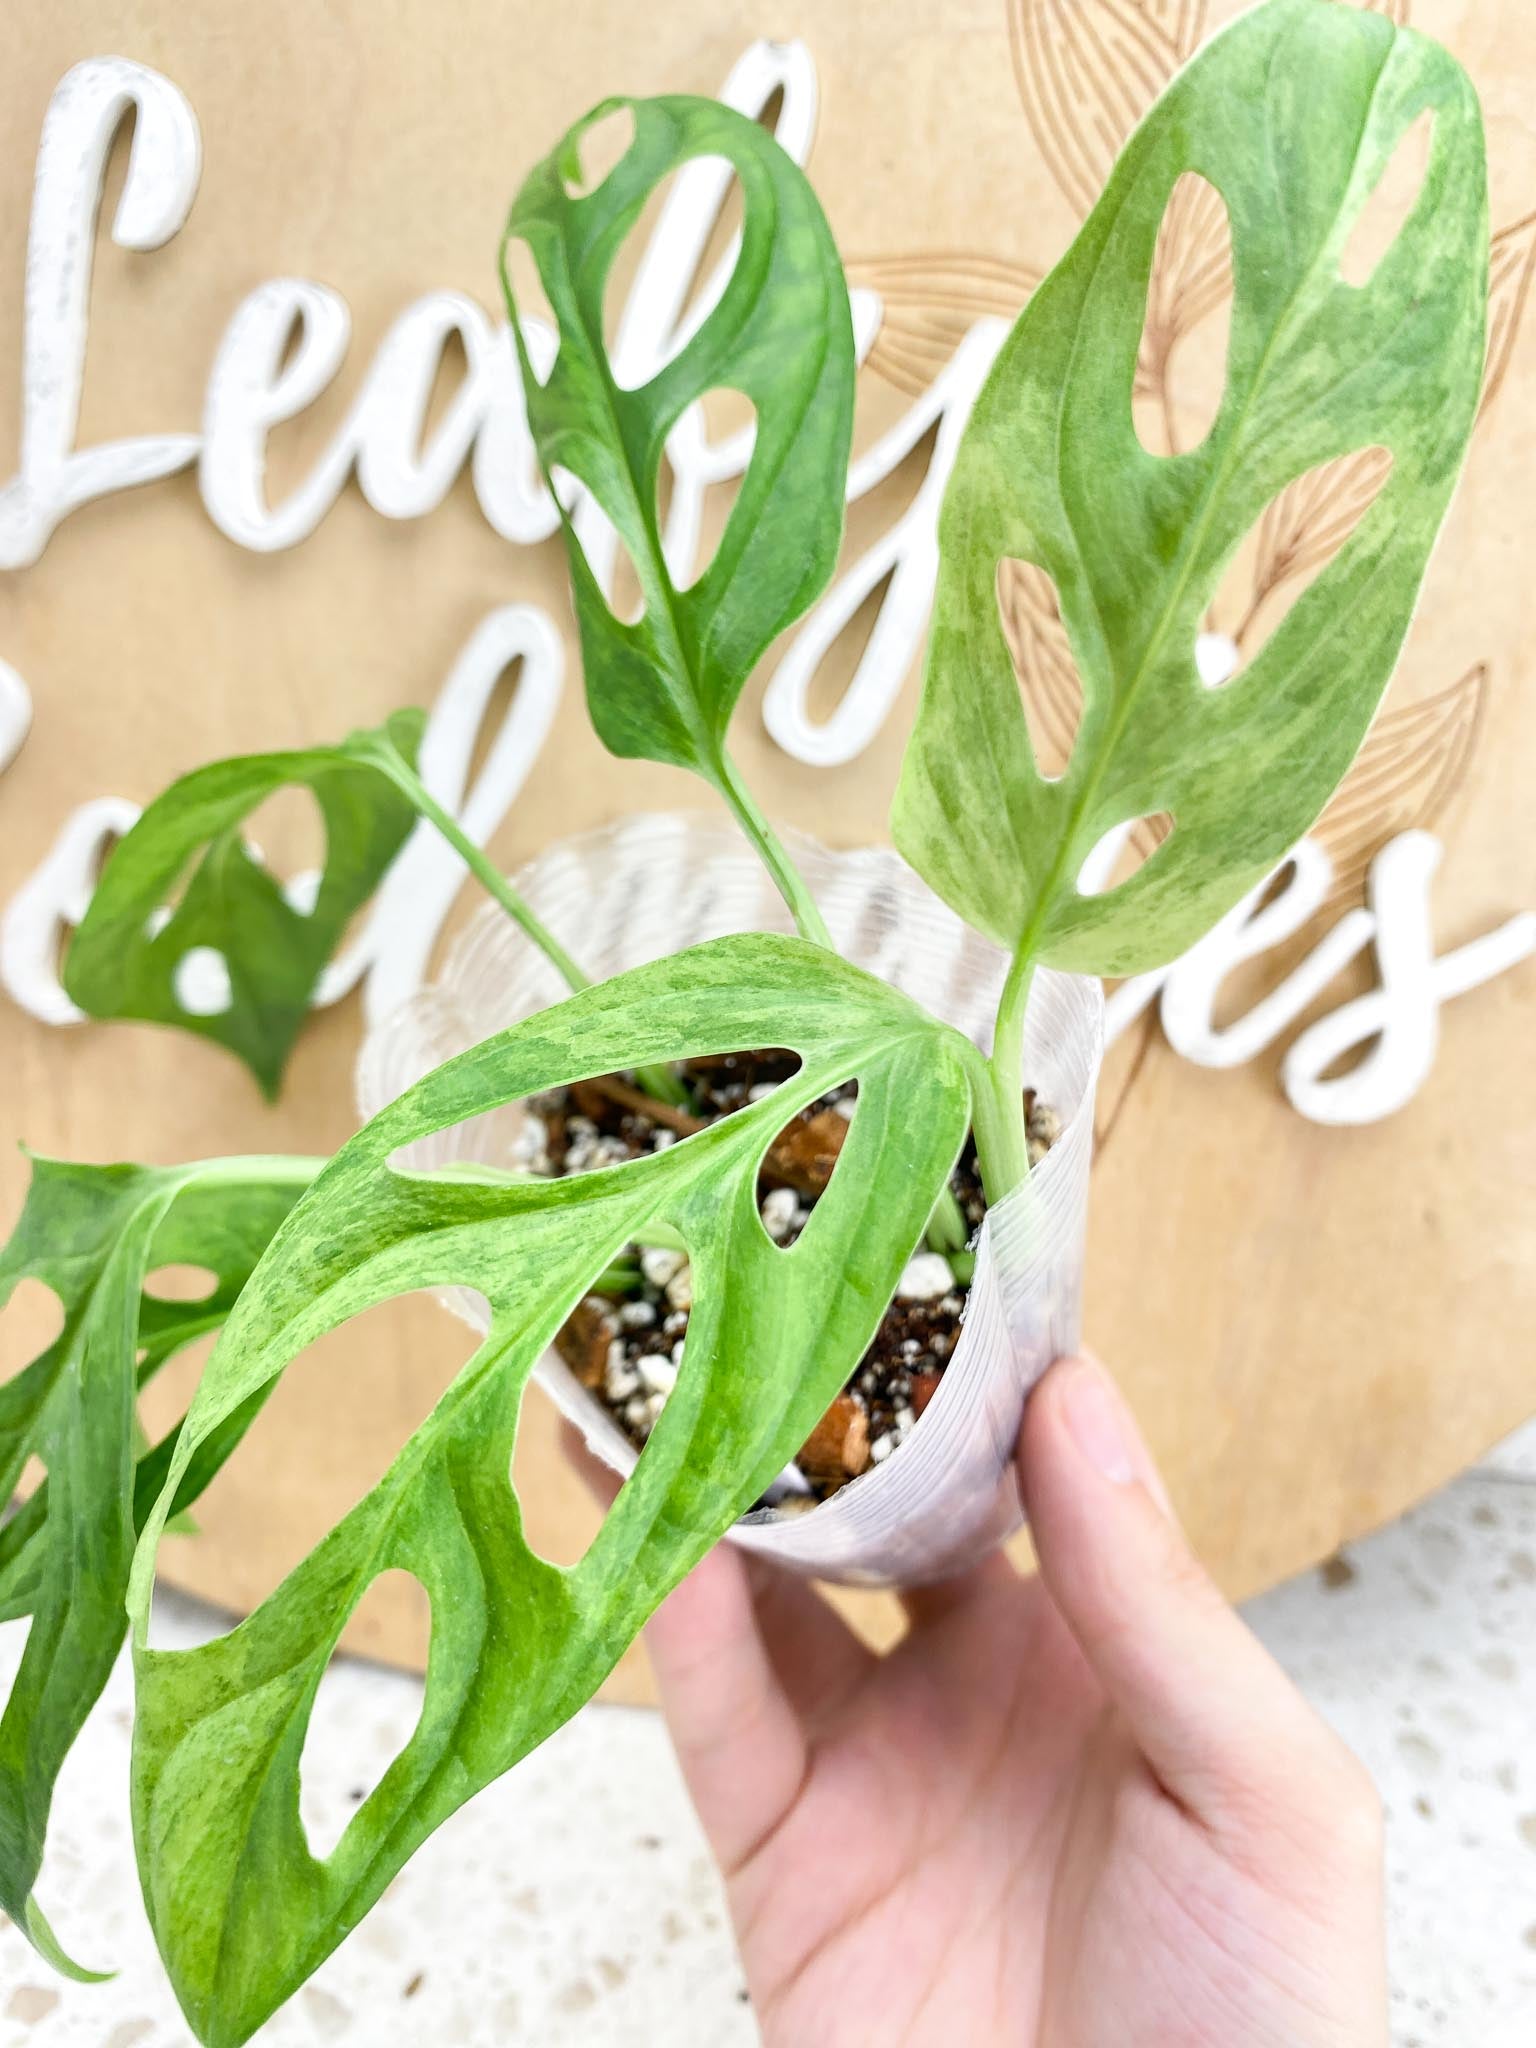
(1292,114)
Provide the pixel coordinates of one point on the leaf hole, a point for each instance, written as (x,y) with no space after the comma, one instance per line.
(181,1283)
(1292,544)
(535,315)
(1122,852)
(349,1743)
(596,151)
(563,1489)
(712,445)
(1050,684)
(801,1163)
(286,833)
(652,310)
(175,893)
(201,982)
(33,1321)
(1386,210)
(374,1380)
(1181,364)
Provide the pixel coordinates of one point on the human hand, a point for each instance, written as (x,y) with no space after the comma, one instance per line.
(1085,1810)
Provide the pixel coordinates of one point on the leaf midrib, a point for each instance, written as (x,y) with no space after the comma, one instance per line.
(1046,897)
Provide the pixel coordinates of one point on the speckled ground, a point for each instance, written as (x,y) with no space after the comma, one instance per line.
(573,1906)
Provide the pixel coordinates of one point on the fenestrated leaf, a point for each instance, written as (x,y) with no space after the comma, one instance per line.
(243,1912)
(781,334)
(91,1233)
(126,956)
(1292,114)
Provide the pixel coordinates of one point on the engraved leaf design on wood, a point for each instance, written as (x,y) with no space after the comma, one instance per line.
(1088,70)
(1413,761)
(1310,521)
(931,302)
(1511,263)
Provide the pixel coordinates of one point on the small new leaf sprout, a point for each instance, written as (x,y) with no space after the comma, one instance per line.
(1050,472)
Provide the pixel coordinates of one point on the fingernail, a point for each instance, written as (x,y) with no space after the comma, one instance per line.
(1097,1420)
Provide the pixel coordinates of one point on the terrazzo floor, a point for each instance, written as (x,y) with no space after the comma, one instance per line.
(573,1905)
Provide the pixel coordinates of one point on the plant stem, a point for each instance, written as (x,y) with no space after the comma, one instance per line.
(786,877)
(658,1081)
(947,1229)
(484,869)
(1002,1145)
(293,1168)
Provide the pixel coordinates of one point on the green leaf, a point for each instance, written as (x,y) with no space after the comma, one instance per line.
(1292,114)
(781,334)
(125,957)
(91,1234)
(242,1911)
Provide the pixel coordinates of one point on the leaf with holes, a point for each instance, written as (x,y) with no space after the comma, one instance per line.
(1051,472)
(91,1234)
(243,1912)
(664,687)
(136,956)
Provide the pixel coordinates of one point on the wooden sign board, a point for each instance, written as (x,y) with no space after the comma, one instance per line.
(1318,1321)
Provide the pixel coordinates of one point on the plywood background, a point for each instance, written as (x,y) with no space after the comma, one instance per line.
(1317,1326)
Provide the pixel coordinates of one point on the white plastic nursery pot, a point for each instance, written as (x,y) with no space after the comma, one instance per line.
(653,884)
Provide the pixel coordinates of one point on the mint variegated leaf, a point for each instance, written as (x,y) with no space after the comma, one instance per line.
(91,1234)
(1292,114)
(242,1910)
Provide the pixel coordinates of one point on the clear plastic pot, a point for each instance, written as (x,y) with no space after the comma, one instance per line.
(653,884)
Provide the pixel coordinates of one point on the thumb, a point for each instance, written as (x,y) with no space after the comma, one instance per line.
(1216,1718)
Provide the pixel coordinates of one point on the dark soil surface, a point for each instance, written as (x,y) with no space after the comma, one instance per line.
(624,1342)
